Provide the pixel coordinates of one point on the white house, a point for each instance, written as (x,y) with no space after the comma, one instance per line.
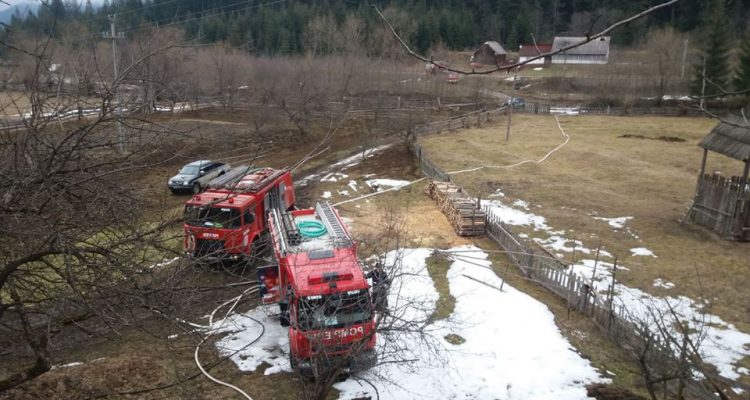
(594,52)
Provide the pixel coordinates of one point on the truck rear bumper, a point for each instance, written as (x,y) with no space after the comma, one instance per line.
(347,364)
(216,257)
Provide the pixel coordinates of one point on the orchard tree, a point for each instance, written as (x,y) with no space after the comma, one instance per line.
(665,47)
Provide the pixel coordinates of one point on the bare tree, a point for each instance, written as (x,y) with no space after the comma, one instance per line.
(665,49)
(77,260)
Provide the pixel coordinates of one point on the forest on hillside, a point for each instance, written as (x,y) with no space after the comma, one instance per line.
(294,26)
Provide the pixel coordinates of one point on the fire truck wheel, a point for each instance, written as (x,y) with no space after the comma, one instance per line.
(196,188)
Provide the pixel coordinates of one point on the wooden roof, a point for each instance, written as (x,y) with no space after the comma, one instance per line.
(731,138)
(494,46)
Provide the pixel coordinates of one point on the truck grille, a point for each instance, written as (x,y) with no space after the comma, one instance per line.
(207,247)
(337,349)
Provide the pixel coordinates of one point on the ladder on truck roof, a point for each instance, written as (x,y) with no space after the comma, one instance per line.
(333,224)
(232,176)
(233,180)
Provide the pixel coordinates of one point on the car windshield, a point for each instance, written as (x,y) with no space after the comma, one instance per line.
(189,170)
(334,311)
(216,217)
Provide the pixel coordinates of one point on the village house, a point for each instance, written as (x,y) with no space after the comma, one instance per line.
(529,51)
(489,53)
(594,52)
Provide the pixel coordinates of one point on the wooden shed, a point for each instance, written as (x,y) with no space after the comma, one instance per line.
(489,53)
(723,203)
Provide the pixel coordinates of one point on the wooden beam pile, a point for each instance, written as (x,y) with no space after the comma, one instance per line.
(460,208)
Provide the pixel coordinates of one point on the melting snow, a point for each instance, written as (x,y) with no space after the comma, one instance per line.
(642,251)
(353,185)
(333,177)
(511,216)
(723,346)
(532,360)
(663,284)
(247,344)
(559,243)
(522,204)
(378,184)
(326,195)
(617,222)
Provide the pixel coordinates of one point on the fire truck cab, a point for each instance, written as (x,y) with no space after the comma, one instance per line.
(226,222)
(321,289)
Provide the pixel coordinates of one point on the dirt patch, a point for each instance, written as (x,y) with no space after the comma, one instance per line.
(668,139)
(607,392)
(437,267)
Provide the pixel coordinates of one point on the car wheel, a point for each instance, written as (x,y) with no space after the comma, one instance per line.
(196,188)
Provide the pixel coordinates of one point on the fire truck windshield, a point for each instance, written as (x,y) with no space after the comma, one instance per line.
(215,217)
(334,311)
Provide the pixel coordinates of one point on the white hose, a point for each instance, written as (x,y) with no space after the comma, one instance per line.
(213,330)
(541,160)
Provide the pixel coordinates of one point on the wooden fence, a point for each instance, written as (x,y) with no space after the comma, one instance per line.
(429,168)
(468,120)
(539,108)
(723,204)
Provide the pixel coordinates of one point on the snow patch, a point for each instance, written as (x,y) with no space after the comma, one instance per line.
(642,251)
(248,346)
(353,185)
(378,184)
(511,216)
(532,361)
(659,283)
(521,204)
(326,195)
(617,222)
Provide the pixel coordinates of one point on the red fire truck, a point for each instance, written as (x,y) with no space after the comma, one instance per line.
(228,220)
(321,289)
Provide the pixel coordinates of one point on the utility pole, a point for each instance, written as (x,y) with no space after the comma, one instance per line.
(114,35)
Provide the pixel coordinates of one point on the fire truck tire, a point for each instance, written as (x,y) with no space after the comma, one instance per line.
(196,188)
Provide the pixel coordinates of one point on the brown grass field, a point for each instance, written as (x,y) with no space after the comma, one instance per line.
(599,173)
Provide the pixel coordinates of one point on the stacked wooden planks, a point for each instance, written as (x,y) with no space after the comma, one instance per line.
(460,208)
